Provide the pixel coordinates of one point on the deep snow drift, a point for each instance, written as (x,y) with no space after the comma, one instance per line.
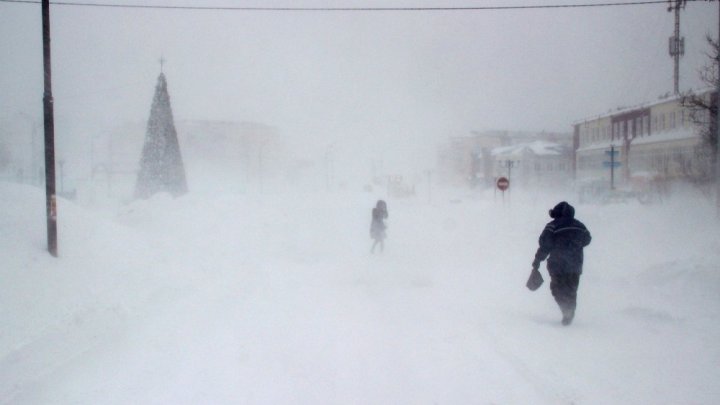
(270,299)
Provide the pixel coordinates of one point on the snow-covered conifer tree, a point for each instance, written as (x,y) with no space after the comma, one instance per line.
(161,165)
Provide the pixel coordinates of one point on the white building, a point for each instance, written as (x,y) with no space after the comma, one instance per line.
(656,140)
(537,163)
(471,160)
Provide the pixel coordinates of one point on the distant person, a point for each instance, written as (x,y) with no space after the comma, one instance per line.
(561,243)
(377,226)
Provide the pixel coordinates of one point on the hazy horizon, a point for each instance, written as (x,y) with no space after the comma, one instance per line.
(364,84)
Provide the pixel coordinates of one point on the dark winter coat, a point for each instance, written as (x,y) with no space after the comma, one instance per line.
(377,225)
(562,241)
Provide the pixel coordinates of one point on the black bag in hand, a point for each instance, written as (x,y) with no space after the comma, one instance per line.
(535,280)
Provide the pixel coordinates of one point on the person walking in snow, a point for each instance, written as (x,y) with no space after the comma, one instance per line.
(561,243)
(377,225)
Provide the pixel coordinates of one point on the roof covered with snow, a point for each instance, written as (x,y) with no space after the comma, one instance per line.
(538,148)
(662,100)
(665,136)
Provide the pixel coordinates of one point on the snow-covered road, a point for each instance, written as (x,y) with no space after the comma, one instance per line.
(240,299)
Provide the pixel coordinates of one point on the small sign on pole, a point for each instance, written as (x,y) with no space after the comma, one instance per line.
(503,183)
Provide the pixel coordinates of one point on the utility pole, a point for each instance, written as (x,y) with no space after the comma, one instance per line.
(676,42)
(509,164)
(50,201)
(717,122)
(260,166)
(429,179)
(612,167)
(329,166)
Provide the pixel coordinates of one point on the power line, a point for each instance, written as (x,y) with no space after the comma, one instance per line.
(347,9)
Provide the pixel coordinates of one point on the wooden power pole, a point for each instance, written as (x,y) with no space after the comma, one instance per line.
(50,200)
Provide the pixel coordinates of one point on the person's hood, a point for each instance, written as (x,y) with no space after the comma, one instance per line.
(562,210)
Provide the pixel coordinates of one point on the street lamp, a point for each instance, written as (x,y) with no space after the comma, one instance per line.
(35,175)
(328,165)
(508,164)
(260,165)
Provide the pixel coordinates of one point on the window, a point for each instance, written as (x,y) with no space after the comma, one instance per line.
(641,126)
(672,120)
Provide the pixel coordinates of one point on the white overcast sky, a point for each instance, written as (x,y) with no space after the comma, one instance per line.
(387,81)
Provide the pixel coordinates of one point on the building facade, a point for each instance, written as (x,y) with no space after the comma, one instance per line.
(657,140)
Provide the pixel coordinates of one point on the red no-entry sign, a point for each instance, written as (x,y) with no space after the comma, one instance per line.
(503,183)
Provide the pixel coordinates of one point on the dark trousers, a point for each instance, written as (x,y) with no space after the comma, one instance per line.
(564,288)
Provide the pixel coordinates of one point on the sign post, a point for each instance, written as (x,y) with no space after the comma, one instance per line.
(612,164)
(502,184)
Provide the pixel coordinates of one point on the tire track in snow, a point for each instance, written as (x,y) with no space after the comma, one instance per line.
(535,380)
(61,344)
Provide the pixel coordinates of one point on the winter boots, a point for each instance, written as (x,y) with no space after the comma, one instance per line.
(564,290)
(568,315)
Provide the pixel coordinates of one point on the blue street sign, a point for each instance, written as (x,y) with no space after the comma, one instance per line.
(611,152)
(611,164)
